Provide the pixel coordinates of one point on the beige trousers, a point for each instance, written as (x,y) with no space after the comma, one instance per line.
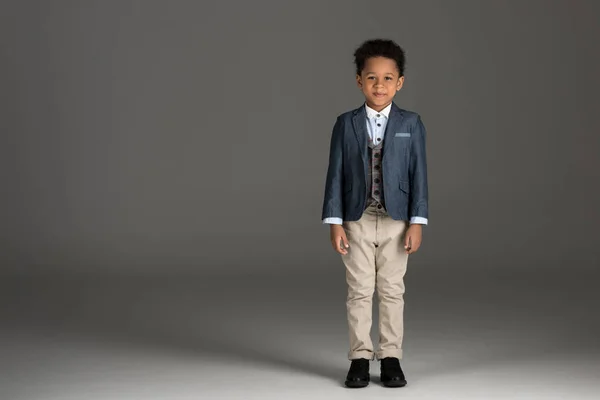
(376,259)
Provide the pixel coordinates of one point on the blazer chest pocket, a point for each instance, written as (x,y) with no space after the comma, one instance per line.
(402,141)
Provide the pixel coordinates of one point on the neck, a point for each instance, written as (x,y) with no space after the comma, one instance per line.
(378,108)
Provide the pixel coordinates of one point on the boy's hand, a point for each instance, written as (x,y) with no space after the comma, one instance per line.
(338,239)
(412,240)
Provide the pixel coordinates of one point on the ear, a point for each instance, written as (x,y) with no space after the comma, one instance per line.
(359,81)
(400,83)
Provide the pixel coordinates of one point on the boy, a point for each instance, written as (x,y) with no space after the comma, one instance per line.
(376,203)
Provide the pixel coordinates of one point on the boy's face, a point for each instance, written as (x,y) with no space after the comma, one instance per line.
(379,82)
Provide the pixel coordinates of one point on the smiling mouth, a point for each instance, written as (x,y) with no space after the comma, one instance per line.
(379,94)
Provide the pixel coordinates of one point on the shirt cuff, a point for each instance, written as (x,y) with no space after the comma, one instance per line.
(418,220)
(333,220)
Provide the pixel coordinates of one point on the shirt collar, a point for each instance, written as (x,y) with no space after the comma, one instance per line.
(373,114)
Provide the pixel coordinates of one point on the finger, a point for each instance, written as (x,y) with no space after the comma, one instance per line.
(345,242)
(343,247)
(415,245)
(414,248)
(407,242)
(336,247)
(339,246)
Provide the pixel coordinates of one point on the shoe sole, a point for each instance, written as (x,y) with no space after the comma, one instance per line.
(394,384)
(356,385)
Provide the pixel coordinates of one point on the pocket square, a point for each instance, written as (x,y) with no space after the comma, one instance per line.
(402,134)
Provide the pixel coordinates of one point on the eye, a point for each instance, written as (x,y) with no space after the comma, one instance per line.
(389,78)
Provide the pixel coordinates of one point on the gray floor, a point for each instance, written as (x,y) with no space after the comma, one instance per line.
(474,335)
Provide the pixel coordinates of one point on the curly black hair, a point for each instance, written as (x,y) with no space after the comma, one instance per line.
(379,48)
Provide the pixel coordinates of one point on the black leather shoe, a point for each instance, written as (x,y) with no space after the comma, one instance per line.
(391,373)
(358,375)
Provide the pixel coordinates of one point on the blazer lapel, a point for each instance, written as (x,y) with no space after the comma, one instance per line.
(394,121)
(359,121)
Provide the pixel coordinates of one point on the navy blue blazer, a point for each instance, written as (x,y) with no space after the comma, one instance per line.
(404,166)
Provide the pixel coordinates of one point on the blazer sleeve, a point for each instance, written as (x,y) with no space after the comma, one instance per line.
(332,202)
(418,173)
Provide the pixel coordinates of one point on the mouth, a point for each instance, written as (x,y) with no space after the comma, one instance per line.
(379,95)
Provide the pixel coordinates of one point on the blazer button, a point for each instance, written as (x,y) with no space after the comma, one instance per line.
(378,205)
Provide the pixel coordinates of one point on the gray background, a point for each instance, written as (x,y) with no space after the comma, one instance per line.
(163,166)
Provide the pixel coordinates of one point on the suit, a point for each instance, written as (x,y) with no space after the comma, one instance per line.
(376,258)
(404,166)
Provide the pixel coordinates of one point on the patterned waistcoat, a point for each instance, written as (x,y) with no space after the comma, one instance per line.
(375,181)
